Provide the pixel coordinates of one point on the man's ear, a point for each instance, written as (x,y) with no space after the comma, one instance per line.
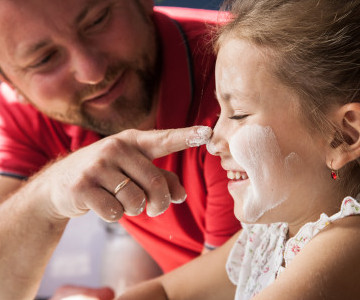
(345,146)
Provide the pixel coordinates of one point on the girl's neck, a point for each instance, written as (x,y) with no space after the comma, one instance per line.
(329,205)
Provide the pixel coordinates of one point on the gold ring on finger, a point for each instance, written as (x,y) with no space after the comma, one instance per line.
(121,185)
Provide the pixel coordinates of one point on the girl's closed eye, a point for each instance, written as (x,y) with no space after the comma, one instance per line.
(238,117)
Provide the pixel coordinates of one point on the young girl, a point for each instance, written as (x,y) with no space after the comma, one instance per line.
(288,83)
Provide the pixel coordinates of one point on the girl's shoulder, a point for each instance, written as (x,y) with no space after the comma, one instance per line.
(349,207)
(328,266)
(332,260)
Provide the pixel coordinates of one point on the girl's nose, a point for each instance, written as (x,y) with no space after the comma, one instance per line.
(218,144)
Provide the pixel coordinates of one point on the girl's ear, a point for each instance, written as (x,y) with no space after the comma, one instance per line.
(345,146)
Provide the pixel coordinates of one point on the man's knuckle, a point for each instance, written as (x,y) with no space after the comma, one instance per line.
(113,145)
(173,176)
(157,181)
(81,183)
(129,135)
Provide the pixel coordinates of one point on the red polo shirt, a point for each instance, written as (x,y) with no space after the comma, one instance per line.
(29,139)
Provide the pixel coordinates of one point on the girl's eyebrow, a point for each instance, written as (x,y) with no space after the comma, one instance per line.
(235,95)
(222,96)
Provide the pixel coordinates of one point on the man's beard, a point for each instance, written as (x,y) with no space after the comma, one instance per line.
(123,113)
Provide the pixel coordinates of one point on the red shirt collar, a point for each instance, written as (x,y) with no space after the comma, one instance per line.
(176,81)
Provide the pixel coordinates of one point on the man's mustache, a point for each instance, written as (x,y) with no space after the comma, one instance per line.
(112,73)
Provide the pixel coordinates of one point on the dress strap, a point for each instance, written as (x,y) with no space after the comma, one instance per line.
(293,246)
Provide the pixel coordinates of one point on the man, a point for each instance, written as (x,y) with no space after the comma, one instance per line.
(89,69)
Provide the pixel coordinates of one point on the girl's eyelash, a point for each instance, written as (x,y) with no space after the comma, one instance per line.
(238,117)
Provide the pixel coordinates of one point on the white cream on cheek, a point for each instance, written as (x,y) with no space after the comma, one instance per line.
(271,175)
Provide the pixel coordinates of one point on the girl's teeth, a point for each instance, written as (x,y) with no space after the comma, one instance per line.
(236,175)
(231,175)
(244,176)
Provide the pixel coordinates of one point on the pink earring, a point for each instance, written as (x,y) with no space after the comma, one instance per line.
(334,173)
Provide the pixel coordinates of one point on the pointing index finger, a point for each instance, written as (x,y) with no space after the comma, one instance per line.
(158,143)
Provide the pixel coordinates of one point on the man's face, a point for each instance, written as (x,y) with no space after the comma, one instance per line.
(91,63)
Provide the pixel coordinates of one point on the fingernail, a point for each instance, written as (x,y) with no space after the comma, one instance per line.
(139,210)
(202,136)
(179,201)
(165,203)
(153,215)
(142,206)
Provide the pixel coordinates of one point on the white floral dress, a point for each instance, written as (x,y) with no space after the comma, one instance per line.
(256,258)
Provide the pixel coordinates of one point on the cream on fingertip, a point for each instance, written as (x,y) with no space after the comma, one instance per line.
(151,215)
(202,136)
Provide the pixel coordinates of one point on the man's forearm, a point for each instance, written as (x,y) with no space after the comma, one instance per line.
(27,239)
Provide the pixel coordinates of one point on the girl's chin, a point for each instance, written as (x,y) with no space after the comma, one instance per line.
(249,210)
(238,184)
(249,219)
(238,189)
(239,210)
(259,215)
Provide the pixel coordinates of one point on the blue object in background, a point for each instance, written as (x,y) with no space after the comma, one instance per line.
(205,4)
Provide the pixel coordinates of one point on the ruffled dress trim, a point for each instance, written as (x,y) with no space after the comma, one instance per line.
(257,256)
(293,246)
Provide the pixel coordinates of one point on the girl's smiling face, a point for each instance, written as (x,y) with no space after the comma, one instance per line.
(271,157)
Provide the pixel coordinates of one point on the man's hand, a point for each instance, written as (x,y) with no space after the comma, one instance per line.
(97,177)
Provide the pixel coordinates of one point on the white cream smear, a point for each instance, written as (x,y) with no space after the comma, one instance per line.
(271,174)
(202,136)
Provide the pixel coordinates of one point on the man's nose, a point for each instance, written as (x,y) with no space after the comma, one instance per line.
(88,66)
